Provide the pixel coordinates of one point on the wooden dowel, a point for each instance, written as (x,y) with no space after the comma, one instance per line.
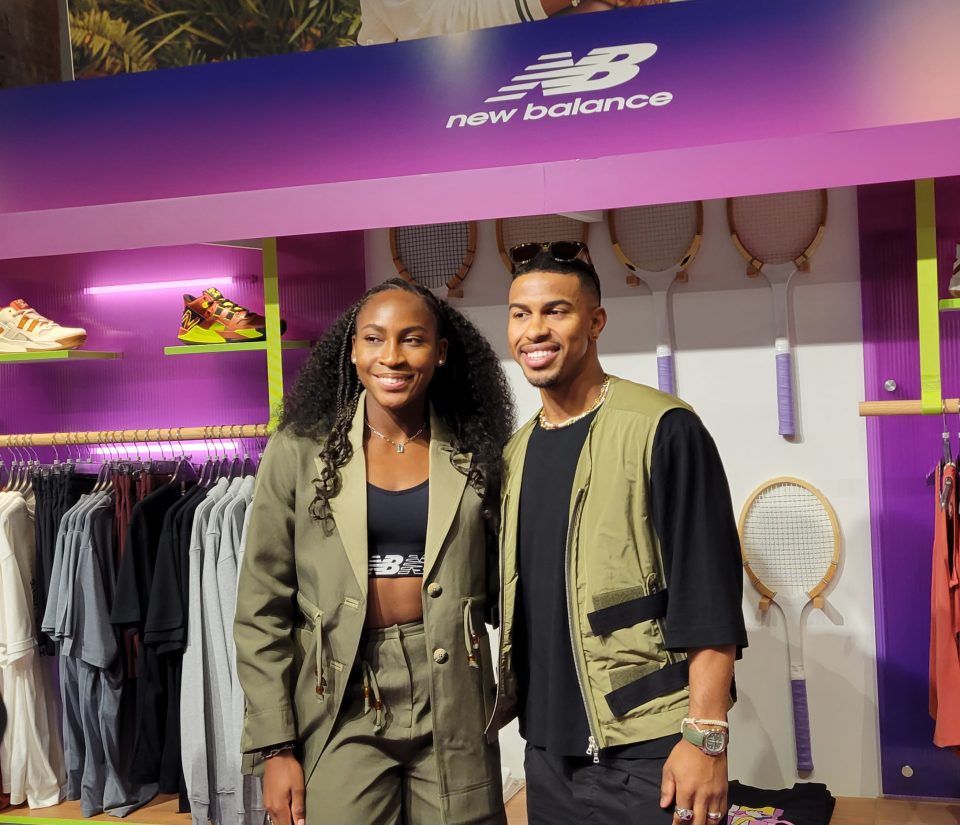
(951,405)
(153,434)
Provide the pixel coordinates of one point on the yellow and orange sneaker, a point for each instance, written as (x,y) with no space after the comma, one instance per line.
(210,318)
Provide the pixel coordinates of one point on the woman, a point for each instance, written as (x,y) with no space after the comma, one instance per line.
(369,570)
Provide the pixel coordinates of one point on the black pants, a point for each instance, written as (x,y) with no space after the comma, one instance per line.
(572,790)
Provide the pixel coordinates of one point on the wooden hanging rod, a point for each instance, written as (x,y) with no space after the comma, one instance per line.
(950,405)
(152,434)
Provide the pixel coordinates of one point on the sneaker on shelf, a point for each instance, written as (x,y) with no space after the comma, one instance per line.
(210,318)
(954,288)
(23,329)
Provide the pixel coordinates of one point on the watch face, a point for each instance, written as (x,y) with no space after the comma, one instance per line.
(714,741)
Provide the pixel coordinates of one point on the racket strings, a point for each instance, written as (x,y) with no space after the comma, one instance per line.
(778,228)
(656,238)
(537,228)
(788,539)
(433,253)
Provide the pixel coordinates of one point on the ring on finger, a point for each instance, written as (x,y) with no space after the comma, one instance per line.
(683,814)
(714,816)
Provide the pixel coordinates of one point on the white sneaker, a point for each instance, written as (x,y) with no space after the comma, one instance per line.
(23,329)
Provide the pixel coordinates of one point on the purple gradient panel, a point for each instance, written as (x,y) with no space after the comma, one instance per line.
(740,70)
(146,388)
(901,452)
(321,275)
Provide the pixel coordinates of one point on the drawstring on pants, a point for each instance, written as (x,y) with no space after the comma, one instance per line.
(370,684)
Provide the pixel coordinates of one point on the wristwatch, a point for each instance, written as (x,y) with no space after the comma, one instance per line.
(712,740)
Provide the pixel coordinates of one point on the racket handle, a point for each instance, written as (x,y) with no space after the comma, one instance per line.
(666,376)
(785,393)
(801,725)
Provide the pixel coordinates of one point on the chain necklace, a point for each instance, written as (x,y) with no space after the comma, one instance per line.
(601,397)
(398,445)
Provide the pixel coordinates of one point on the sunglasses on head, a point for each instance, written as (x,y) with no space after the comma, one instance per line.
(562,251)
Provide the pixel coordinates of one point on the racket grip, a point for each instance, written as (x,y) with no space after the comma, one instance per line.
(666,377)
(785,394)
(801,725)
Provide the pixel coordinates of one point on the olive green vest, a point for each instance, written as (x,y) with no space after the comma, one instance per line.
(633,688)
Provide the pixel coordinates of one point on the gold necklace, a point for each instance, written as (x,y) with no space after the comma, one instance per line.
(601,397)
(399,445)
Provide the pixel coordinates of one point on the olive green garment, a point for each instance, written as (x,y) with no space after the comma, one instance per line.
(379,768)
(302,599)
(612,558)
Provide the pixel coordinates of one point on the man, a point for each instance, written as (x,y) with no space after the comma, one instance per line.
(385,21)
(621,575)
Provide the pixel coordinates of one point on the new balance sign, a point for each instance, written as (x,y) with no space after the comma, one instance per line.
(558,74)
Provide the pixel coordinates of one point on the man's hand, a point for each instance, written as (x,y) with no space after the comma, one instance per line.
(283,790)
(695,781)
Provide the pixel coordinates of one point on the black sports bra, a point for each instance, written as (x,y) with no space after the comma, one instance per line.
(396,530)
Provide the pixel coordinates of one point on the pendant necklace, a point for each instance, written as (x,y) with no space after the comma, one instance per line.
(398,445)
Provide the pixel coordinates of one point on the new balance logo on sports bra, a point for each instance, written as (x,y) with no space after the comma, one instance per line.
(393,565)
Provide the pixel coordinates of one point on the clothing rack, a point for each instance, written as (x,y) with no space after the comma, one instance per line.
(144,436)
(869,408)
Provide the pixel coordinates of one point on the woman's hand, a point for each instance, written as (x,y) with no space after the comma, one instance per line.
(283,790)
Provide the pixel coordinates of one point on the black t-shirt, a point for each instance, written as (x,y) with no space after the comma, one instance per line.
(693,518)
(806,803)
(130,609)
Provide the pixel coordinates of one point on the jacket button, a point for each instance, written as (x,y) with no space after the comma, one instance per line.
(440,656)
(434,589)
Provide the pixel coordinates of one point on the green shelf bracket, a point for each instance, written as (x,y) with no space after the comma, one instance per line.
(271,301)
(244,346)
(928,304)
(57,355)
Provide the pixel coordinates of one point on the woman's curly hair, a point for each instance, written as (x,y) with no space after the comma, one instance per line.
(470,393)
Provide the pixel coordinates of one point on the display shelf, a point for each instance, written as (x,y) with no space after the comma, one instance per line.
(244,346)
(949,304)
(57,355)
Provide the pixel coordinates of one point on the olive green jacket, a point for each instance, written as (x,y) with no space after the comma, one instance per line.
(633,688)
(302,600)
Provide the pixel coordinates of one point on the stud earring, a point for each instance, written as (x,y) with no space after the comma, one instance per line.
(440,363)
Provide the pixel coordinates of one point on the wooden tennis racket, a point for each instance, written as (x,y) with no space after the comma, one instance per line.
(435,255)
(536,228)
(790,541)
(657,244)
(776,234)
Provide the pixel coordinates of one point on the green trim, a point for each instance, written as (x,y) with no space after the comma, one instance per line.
(56,355)
(271,301)
(241,346)
(928,298)
(949,304)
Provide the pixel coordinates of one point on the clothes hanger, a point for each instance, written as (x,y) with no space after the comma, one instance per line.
(184,472)
(946,459)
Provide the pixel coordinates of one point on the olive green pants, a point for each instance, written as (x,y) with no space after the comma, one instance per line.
(380,767)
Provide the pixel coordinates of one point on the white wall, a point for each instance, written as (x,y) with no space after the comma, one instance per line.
(725,369)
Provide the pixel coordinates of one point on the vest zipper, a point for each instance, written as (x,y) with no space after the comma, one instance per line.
(592,748)
(503,602)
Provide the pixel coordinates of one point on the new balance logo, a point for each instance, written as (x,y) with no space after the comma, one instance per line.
(392,564)
(557,74)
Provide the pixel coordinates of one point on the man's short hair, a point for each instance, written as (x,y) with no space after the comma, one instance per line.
(584,271)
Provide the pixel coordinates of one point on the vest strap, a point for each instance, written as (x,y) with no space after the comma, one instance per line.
(626,614)
(668,679)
